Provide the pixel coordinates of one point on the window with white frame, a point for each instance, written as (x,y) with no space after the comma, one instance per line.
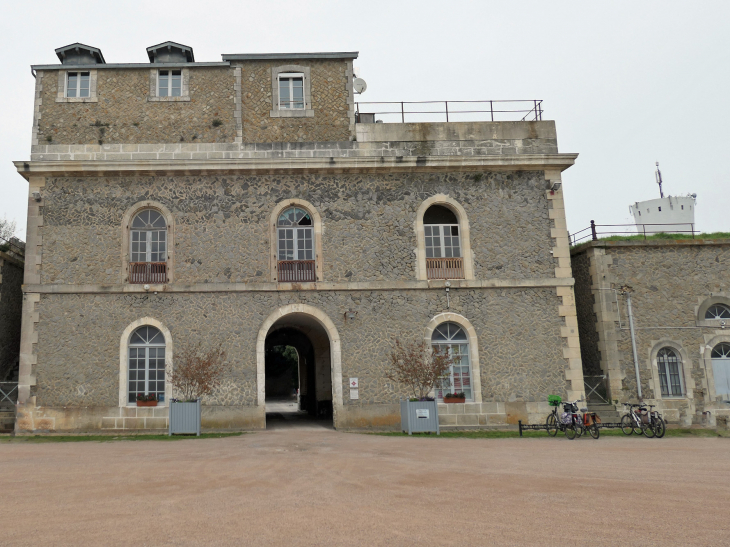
(169,83)
(443,244)
(718,311)
(452,338)
(670,373)
(148,248)
(146,368)
(291,91)
(295,237)
(720,357)
(77,84)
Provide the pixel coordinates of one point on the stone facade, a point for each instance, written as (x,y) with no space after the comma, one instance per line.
(671,281)
(11,303)
(218,193)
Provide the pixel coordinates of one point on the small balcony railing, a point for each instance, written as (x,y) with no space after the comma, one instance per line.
(445,268)
(147,272)
(296,271)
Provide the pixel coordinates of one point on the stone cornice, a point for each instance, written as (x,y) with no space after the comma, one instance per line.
(397,164)
(280,287)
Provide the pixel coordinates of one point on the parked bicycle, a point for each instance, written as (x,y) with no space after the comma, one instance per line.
(570,421)
(640,419)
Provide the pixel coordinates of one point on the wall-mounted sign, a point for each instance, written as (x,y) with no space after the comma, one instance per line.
(354,383)
(354,394)
(422,413)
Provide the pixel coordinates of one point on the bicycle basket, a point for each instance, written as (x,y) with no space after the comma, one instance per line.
(566,418)
(554,400)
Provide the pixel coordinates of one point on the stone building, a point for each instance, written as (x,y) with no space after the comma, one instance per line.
(242,203)
(680,303)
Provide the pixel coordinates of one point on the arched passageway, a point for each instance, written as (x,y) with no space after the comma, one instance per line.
(297,370)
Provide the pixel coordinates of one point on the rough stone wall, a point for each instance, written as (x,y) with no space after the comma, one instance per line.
(222,224)
(520,348)
(669,282)
(331,121)
(122,104)
(11,304)
(584,302)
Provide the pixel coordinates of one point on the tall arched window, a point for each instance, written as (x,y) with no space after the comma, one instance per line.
(718,311)
(670,373)
(148,248)
(295,246)
(443,244)
(452,338)
(146,364)
(721,370)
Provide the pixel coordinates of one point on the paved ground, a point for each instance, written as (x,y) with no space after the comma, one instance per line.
(315,486)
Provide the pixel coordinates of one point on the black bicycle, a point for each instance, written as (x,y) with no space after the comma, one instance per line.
(570,422)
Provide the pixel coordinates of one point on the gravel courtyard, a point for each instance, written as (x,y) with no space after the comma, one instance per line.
(320,487)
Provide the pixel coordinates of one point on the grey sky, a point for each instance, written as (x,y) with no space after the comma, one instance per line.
(628,83)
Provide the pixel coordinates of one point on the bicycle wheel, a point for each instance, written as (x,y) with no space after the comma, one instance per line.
(552,425)
(579,430)
(594,431)
(648,430)
(660,428)
(627,424)
(570,431)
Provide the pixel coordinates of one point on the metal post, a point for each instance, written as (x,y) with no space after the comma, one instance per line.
(594,237)
(693,230)
(447,111)
(633,345)
(491,109)
(402,113)
(519,422)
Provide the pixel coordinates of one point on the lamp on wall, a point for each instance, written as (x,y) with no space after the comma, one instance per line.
(350,315)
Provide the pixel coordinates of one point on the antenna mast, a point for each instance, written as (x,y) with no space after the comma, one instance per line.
(658,175)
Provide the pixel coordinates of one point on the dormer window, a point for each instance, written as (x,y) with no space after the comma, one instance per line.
(77,84)
(169,83)
(291,91)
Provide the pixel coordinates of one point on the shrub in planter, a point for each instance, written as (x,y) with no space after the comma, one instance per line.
(146,400)
(195,373)
(459,397)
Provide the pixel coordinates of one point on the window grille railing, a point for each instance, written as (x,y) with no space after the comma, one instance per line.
(296,271)
(147,272)
(445,268)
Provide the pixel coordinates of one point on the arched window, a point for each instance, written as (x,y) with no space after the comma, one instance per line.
(720,356)
(295,246)
(148,248)
(670,373)
(443,244)
(718,311)
(146,364)
(452,338)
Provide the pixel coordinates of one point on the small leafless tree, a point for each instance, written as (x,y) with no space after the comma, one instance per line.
(7,228)
(197,372)
(418,365)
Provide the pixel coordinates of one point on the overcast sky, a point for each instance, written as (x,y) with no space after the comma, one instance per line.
(628,83)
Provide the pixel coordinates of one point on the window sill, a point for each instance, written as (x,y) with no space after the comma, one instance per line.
(168,99)
(298,113)
(77,99)
(713,323)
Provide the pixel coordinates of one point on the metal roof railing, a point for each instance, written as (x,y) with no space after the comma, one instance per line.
(420,111)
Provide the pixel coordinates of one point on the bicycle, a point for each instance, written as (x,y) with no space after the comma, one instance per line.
(590,422)
(656,423)
(641,420)
(571,423)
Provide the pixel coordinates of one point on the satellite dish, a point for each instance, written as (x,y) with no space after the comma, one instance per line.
(359,85)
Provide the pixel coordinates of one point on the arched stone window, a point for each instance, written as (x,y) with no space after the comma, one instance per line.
(718,311)
(147,244)
(720,356)
(442,232)
(296,242)
(146,364)
(452,338)
(670,372)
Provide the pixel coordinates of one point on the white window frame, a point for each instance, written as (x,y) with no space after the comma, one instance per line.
(169,77)
(291,76)
(79,75)
(162,245)
(62,90)
(442,240)
(464,352)
(154,94)
(147,347)
(306,231)
(291,71)
(680,374)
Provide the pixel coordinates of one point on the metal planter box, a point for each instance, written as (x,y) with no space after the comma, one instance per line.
(419,417)
(185,418)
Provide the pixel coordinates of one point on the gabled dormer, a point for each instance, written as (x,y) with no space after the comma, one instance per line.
(80,54)
(170,52)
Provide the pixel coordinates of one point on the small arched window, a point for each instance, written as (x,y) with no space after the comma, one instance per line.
(148,248)
(146,364)
(443,244)
(720,356)
(295,246)
(452,338)
(670,373)
(718,311)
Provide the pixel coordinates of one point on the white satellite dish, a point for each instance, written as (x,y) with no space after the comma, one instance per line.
(359,85)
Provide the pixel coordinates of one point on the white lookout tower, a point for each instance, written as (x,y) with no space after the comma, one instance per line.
(671,214)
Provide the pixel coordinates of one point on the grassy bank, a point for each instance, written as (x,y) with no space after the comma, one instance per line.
(496,434)
(108,438)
